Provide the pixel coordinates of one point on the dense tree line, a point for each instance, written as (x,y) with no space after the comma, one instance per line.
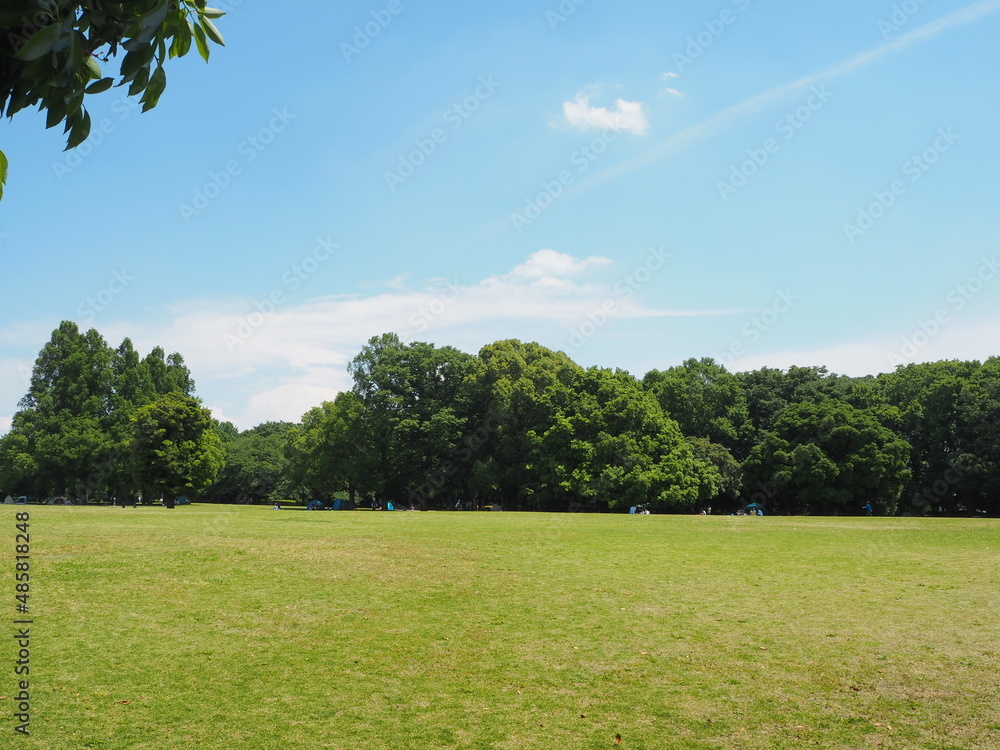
(100,423)
(522,427)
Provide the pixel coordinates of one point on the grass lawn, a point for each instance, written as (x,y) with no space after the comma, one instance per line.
(244,627)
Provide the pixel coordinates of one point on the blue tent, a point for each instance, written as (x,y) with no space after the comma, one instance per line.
(315,505)
(339,504)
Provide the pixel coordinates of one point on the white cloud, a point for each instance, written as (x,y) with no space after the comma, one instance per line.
(627,116)
(548,263)
(251,367)
(667,77)
(5,422)
(974,341)
(726,118)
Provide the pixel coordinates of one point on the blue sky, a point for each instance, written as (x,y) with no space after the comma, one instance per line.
(763,183)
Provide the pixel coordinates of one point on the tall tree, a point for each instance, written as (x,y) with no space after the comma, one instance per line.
(606,441)
(62,437)
(942,406)
(175,447)
(330,450)
(980,410)
(769,391)
(827,458)
(707,401)
(410,395)
(168,374)
(508,381)
(254,464)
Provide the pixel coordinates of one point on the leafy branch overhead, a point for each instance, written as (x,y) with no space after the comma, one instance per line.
(53,53)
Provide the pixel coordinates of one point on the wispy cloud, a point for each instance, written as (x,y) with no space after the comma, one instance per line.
(871,356)
(627,116)
(252,367)
(730,116)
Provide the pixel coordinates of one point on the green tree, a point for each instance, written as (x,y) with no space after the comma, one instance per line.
(330,450)
(507,383)
(61,439)
(945,415)
(52,52)
(175,447)
(168,373)
(606,440)
(769,391)
(254,465)
(980,411)
(707,401)
(411,421)
(827,458)
(730,472)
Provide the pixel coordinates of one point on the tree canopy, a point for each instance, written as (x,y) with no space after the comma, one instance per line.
(522,427)
(175,447)
(52,54)
(73,432)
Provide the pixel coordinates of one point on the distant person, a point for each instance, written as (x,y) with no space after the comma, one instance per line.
(277,506)
(867,509)
(631,511)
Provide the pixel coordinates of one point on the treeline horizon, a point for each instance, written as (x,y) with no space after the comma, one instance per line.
(524,427)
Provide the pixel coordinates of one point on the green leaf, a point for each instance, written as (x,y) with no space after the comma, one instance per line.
(93,68)
(132,63)
(54,115)
(157,83)
(182,41)
(98,86)
(79,132)
(213,33)
(40,43)
(201,42)
(139,82)
(3,172)
(212,13)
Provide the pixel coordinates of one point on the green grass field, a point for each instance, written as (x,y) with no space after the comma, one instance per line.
(243,627)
